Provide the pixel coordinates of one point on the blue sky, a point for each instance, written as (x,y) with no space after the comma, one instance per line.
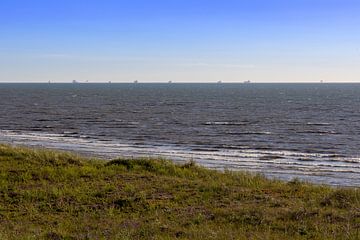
(180,40)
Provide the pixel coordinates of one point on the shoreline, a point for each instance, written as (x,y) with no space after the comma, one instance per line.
(281,165)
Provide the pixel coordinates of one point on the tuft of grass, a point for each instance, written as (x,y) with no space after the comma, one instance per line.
(57,195)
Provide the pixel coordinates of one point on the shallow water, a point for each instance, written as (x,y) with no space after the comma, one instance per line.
(307,131)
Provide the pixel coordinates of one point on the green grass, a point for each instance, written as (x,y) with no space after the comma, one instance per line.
(53,195)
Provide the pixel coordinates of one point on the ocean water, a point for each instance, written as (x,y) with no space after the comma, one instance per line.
(284,131)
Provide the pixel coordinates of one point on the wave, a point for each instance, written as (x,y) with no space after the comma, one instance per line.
(319,132)
(227,123)
(250,133)
(310,123)
(318,124)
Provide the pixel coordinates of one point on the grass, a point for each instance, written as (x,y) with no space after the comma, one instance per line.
(54,195)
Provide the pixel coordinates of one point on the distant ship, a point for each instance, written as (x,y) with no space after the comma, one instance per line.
(136,81)
(219,81)
(247,81)
(74,81)
(169,81)
(109,81)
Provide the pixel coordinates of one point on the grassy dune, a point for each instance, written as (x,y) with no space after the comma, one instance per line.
(54,195)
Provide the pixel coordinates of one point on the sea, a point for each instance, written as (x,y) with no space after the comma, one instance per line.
(309,132)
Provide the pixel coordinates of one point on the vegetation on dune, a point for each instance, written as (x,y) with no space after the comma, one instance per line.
(54,195)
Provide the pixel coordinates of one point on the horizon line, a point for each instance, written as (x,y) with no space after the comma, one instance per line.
(177,82)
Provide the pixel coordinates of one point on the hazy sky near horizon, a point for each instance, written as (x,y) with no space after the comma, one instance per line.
(180,40)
